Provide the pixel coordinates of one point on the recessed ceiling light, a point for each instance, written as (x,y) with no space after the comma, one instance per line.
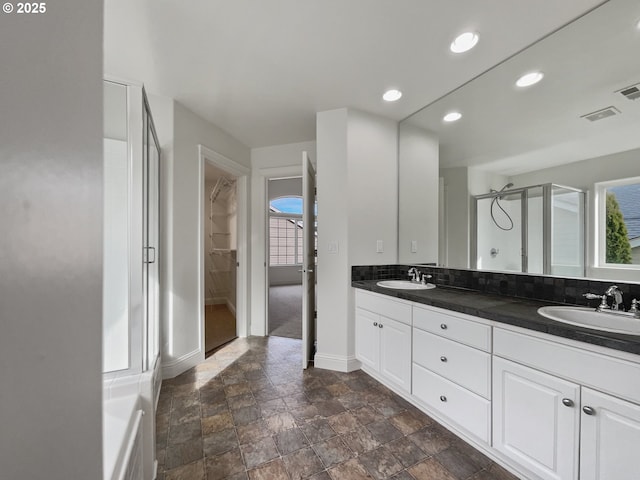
(464,42)
(529,79)
(452,116)
(392,95)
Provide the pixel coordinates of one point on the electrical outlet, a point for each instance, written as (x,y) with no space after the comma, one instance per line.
(414,246)
(333,247)
(379,246)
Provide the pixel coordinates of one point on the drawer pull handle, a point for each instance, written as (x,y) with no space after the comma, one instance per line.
(443,326)
(375,324)
(588,410)
(379,325)
(443,359)
(443,398)
(567,402)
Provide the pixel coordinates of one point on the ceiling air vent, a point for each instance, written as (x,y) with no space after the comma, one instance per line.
(600,114)
(632,92)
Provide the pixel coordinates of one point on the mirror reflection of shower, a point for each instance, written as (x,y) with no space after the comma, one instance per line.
(533,229)
(494,202)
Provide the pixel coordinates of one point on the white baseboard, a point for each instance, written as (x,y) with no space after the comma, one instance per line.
(337,363)
(173,368)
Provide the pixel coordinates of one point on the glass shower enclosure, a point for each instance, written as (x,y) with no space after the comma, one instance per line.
(533,229)
(131,286)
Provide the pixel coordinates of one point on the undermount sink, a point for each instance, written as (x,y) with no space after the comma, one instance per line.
(590,318)
(405,285)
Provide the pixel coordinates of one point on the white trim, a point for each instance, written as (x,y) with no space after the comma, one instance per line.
(175,367)
(207,155)
(219,160)
(338,363)
(122,80)
(599,233)
(281,173)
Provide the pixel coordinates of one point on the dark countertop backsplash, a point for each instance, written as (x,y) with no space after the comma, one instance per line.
(510,298)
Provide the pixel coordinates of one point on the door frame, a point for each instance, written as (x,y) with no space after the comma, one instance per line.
(207,155)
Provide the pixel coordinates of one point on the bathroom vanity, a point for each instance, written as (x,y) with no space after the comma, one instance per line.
(546,400)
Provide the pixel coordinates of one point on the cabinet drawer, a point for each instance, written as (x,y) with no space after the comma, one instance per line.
(455,328)
(604,373)
(466,409)
(385,306)
(466,366)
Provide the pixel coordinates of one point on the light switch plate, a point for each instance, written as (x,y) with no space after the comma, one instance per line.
(333,247)
(414,246)
(379,246)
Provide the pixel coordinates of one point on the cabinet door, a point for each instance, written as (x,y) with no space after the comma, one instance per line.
(610,438)
(367,339)
(395,352)
(536,420)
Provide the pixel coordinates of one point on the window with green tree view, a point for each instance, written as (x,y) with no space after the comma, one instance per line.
(622,222)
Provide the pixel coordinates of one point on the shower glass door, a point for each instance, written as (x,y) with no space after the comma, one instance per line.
(499,244)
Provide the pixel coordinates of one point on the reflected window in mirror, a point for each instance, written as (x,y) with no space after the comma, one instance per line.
(618,223)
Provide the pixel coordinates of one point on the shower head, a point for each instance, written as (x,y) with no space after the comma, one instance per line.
(508,185)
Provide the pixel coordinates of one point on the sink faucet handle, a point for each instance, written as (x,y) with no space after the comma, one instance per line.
(591,296)
(603,300)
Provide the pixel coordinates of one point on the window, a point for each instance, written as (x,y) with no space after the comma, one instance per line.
(619,223)
(286,231)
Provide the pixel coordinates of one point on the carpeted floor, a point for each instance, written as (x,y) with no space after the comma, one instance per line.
(285,311)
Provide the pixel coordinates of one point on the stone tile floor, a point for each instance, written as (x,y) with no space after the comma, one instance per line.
(250,412)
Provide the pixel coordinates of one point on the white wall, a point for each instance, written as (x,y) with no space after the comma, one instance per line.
(51,246)
(357,205)
(181,343)
(418,163)
(276,161)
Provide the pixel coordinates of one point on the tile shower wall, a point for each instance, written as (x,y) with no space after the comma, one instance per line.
(536,287)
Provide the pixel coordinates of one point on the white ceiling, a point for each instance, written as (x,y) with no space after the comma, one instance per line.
(261,69)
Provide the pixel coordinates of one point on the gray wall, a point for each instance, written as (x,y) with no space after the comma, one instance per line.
(51,243)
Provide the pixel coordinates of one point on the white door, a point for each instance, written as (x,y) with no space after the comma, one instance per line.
(536,420)
(367,339)
(610,438)
(395,352)
(308,259)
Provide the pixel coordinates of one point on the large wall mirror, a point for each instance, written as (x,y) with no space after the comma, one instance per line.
(527,173)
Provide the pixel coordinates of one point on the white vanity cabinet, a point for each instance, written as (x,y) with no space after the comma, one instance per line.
(452,368)
(565,413)
(544,406)
(383,338)
(536,419)
(610,437)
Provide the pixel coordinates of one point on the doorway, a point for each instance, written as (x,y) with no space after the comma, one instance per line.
(222,250)
(285,238)
(220,257)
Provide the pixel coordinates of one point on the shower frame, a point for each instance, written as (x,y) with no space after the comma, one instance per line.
(547,191)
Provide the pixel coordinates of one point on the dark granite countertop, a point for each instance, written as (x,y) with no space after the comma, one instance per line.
(519,312)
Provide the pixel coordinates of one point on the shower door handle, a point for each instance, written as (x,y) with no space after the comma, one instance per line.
(150,255)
